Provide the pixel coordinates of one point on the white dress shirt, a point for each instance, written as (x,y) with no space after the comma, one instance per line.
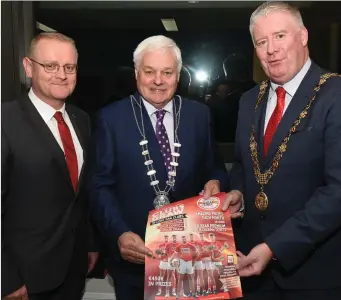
(290,88)
(168,120)
(47,112)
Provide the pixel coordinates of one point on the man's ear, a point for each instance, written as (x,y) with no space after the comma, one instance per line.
(27,66)
(136,73)
(304,36)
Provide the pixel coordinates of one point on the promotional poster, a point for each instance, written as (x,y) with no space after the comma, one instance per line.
(194,252)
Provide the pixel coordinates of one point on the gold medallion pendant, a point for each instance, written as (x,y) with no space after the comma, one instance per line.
(261,201)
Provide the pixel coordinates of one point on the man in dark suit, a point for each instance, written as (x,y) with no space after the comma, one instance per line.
(151,125)
(288,167)
(46,237)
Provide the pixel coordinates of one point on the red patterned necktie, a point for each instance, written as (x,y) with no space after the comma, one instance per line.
(69,149)
(275,118)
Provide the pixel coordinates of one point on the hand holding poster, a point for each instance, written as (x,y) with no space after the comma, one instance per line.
(194,252)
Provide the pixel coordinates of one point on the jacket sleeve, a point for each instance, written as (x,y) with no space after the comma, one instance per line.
(10,274)
(214,163)
(92,234)
(237,173)
(321,216)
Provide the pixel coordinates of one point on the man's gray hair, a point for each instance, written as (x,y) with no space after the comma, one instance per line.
(268,7)
(157,42)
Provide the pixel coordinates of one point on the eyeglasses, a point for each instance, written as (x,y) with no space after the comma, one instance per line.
(54,68)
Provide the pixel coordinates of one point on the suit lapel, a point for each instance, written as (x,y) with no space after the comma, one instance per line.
(259,120)
(186,140)
(82,132)
(80,129)
(45,135)
(296,106)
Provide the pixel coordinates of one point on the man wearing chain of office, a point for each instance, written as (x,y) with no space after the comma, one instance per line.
(149,149)
(287,167)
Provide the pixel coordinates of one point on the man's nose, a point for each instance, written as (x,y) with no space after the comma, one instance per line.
(272,48)
(61,73)
(158,79)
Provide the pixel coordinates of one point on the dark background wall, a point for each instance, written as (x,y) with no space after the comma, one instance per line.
(17,29)
(106,34)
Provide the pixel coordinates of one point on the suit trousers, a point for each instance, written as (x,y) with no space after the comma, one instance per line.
(128,286)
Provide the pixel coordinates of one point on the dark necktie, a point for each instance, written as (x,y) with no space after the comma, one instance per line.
(69,148)
(162,137)
(275,118)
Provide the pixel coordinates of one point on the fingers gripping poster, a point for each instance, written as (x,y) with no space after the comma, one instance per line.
(194,252)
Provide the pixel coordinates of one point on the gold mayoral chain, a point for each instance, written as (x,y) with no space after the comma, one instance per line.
(261,200)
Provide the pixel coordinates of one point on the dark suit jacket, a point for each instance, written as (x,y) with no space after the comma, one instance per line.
(119,188)
(302,224)
(43,220)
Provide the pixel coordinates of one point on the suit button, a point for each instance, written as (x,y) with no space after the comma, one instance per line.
(262,217)
(74,229)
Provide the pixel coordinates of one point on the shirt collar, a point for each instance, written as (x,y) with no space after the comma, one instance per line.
(46,111)
(292,86)
(151,109)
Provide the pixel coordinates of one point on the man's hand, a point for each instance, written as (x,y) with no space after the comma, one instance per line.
(255,262)
(132,248)
(20,294)
(92,259)
(233,203)
(211,187)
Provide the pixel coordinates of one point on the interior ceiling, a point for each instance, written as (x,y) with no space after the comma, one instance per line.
(146,15)
(142,4)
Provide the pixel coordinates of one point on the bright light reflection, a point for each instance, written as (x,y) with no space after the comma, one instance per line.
(201,76)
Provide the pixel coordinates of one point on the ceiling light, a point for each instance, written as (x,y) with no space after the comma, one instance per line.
(169,24)
(201,76)
(44,27)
